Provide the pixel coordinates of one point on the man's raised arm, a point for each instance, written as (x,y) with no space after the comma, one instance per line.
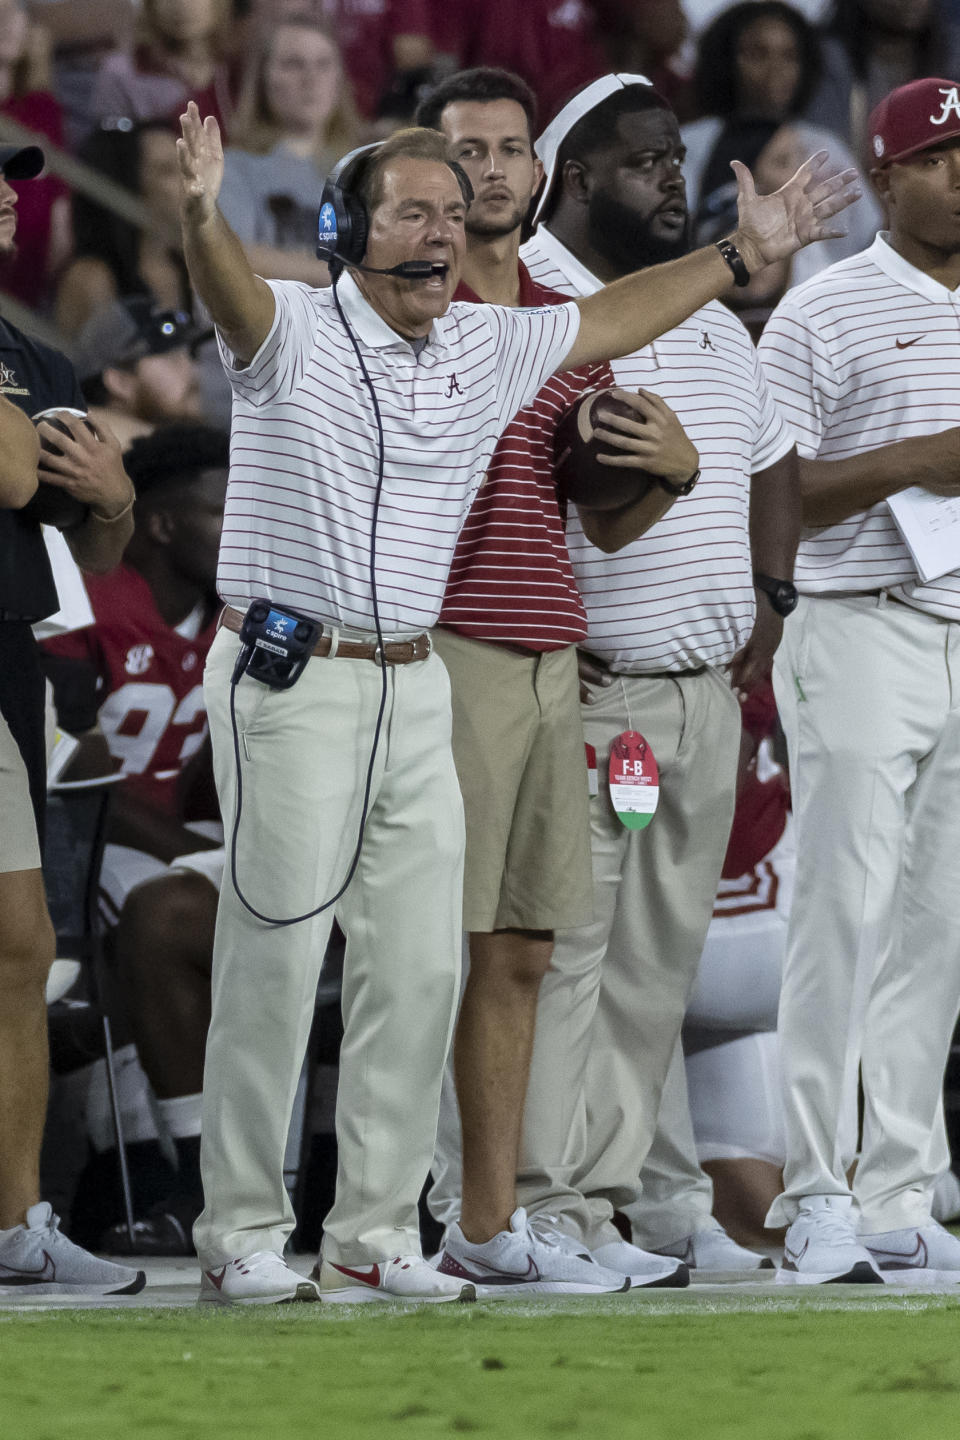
(241,304)
(631,312)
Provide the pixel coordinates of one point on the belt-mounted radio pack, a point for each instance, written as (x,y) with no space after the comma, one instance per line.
(276,645)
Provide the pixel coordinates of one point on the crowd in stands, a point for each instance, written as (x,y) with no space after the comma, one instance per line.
(294,85)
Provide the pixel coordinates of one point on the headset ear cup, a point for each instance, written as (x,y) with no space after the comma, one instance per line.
(357,228)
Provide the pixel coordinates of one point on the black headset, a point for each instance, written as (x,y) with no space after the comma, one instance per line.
(343,224)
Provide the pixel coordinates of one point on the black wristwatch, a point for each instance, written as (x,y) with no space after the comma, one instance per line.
(683,489)
(782,594)
(736,262)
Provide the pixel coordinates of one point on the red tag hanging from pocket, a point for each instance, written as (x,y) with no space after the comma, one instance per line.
(634,780)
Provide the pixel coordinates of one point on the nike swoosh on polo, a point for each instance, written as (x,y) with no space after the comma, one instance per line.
(366,1277)
(905,344)
(915,1259)
(10,1275)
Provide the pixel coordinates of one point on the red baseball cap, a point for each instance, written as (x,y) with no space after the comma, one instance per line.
(913,118)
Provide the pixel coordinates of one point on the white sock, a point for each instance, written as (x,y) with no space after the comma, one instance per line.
(180,1115)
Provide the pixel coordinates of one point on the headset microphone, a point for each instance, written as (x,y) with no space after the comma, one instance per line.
(407,269)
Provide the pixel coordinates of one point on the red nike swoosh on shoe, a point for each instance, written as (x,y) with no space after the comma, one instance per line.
(10,1275)
(216,1277)
(366,1277)
(915,1259)
(905,344)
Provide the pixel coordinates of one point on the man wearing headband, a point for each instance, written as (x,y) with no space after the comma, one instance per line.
(309,458)
(865,361)
(673,618)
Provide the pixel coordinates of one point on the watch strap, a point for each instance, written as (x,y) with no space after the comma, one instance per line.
(730,253)
(677,490)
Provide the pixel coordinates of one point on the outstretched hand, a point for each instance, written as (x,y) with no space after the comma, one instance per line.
(773,227)
(200,157)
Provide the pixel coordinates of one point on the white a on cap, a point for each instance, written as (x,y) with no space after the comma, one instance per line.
(548,145)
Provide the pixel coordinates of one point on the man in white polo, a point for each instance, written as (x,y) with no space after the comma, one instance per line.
(309,452)
(672,618)
(865,361)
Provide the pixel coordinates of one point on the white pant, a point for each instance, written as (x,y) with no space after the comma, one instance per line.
(611,1008)
(305,753)
(869,695)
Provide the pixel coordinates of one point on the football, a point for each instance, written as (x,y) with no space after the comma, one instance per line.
(52,505)
(580,477)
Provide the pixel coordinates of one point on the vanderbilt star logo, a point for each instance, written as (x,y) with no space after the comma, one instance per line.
(453,387)
(8,382)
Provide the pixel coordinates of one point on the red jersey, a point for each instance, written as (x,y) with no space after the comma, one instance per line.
(511,579)
(150,683)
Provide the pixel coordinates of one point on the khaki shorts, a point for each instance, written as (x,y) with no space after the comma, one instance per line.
(519,751)
(19,849)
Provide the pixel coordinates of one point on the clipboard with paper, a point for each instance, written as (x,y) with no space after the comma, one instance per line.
(930,526)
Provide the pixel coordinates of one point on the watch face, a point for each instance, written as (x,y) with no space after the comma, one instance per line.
(785,599)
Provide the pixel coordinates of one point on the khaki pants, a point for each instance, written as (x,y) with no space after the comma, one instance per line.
(611,1009)
(305,754)
(869,695)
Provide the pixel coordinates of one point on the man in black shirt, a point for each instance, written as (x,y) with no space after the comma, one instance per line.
(80,487)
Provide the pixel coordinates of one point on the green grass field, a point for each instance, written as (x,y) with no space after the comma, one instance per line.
(795,1367)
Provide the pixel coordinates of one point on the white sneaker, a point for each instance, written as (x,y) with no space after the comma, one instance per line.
(519,1262)
(408,1277)
(35,1259)
(713,1251)
(821,1246)
(643,1267)
(927,1254)
(263,1278)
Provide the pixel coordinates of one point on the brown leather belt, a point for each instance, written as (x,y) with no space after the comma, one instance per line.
(395,652)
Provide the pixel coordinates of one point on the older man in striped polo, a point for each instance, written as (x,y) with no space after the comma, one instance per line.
(307,450)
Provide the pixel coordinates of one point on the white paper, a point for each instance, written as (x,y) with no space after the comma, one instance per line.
(930,526)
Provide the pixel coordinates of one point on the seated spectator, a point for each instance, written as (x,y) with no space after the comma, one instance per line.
(757,66)
(295,118)
(43,228)
(142,658)
(871,47)
(111,255)
(136,367)
(82,34)
(137,670)
(378,38)
(177,56)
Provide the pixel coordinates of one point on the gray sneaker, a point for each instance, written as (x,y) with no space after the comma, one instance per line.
(35,1259)
(519,1262)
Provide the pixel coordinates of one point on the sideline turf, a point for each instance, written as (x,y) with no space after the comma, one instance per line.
(774,1370)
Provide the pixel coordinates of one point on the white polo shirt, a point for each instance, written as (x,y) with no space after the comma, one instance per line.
(304,450)
(862,355)
(682,595)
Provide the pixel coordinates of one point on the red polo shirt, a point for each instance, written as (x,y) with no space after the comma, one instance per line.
(511,581)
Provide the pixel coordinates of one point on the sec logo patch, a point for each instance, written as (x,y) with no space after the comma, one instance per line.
(139,659)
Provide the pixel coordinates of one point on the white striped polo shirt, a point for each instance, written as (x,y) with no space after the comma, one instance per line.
(864,354)
(682,595)
(304,450)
